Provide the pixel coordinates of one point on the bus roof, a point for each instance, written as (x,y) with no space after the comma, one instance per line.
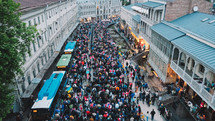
(70,46)
(64,60)
(49,90)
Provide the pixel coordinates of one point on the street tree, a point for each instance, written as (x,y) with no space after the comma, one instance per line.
(15,40)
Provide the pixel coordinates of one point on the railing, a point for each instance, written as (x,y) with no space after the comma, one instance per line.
(147,20)
(160,53)
(173,65)
(206,95)
(198,88)
(180,71)
(213,103)
(196,85)
(187,78)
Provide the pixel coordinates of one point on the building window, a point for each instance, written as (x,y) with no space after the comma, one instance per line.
(38,42)
(29,23)
(42,18)
(34,73)
(29,79)
(48,54)
(52,51)
(201,69)
(46,16)
(45,57)
(34,47)
(24,57)
(38,19)
(42,61)
(35,23)
(38,67)
(41,37)
(23,87)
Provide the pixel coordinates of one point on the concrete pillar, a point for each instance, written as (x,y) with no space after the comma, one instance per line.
(172,52)
(204,76)
(194,70)
(179,55)
(153,15)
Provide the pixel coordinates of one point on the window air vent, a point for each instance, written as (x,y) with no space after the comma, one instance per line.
(211,22)
(205,19)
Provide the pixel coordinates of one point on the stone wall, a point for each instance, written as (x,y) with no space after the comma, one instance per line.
(180,8)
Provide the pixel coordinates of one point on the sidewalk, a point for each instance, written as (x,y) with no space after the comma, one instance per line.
(145,107)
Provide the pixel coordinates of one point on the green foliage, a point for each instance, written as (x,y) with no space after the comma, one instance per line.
(15,38)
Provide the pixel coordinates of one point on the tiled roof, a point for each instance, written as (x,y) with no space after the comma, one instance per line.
(198,50)
(29,4)
(193,23)
(167,32)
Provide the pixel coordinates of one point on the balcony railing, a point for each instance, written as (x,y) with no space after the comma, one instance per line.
(160,53)
(206,95)
(147,20)
(197,87)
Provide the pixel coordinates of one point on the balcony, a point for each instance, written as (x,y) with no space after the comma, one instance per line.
(148,21)
(160,53)
(199,88)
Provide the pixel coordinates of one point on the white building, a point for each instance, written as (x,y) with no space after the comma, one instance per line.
(55,21)
(98,9)
(87,10)
(139,17)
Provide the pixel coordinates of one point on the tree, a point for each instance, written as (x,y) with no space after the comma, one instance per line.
(15,40)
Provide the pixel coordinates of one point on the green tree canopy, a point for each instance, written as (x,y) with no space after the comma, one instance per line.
(15,39)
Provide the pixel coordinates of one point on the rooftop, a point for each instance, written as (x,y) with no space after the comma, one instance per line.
(194,34)
(199,24)
(167,32)
(31,4)
(198,50)
(148,4)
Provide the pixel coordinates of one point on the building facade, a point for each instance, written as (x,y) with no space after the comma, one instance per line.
(87,10)
(178,8)
(98,9)
(54,21)
(139,17)
(184,54)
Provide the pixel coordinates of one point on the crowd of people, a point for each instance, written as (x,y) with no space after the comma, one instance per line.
(103,86)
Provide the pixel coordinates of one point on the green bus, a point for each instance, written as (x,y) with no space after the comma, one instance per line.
(63,63)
